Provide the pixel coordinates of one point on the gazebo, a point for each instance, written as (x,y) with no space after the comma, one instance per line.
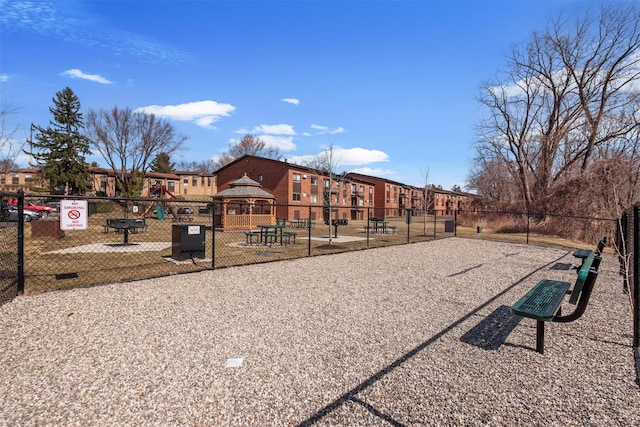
(243,206)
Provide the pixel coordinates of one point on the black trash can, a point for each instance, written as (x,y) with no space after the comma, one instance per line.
(449,226)
(187,241)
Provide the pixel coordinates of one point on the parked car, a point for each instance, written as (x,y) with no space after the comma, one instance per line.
(204,209)
(29,215)
(44,210)
(54,205)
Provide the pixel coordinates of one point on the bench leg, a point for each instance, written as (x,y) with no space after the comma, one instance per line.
(540,336)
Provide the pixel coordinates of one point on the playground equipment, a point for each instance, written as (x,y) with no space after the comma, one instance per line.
(160,191)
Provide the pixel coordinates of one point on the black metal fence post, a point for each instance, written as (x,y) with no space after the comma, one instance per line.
(636,279)
(368,225)
(20,289)
(213,236)
(309,231)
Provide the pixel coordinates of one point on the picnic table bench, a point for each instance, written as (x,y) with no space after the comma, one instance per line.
(270,238)
(544,301)
(284,238)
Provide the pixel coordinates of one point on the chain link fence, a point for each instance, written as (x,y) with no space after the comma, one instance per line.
(130,239)
(9,263)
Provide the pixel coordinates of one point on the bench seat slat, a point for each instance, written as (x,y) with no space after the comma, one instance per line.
(542,301)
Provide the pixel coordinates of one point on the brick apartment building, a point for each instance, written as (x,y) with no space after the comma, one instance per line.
(392,198)
(300,191)
(102,182)
(291,184)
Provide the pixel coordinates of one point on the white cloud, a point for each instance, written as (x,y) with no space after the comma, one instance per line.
(281,129)
(324,130)
(202,113)
(293,101)
(374,172)
(78,74)
(344,157)
(282,143)
(76,23)
(4,78)
(358,156)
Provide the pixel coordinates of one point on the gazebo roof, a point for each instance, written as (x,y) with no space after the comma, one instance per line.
(242,188)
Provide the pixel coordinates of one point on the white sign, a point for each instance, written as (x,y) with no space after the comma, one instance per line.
(73,214)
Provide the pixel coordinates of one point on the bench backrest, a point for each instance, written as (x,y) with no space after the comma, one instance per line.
(592,262)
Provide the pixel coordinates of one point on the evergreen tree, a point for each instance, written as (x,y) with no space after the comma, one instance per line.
(162,163)
(60,149)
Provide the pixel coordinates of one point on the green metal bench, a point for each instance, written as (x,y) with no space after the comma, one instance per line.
(544,301)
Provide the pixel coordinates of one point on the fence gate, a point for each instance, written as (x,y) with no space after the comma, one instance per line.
(9,253)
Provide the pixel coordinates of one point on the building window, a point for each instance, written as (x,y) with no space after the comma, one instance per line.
(194,181)
(185,181)
(296,197)
(3,179)
(208,181)
(260,178)
(171,186)
(326,183)
(314,180)
(202,181)
(313,198)
(296,177)
(15,179)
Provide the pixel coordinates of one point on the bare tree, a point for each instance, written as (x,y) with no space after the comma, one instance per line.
(326,163)
(9,147)
(206,166)
(249,144)
(566,93)
(128,141)
(427,199)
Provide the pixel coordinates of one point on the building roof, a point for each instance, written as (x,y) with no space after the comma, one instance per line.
(244,187)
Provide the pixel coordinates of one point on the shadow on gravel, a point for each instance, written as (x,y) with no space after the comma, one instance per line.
(351,395)
(561,266)
(493,330)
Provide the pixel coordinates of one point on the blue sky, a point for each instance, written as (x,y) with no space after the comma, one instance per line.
(391,85)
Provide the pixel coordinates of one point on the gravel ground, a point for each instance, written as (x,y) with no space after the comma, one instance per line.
(407,335)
